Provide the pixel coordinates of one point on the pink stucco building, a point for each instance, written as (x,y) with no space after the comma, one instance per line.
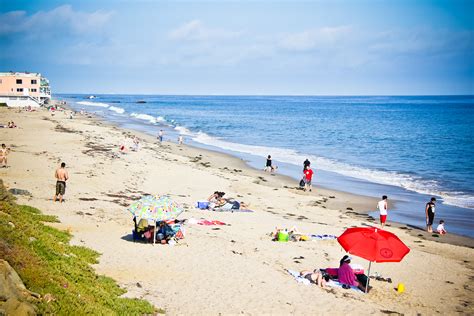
(24,89)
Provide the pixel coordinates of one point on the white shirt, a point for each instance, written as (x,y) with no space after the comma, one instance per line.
(382,206)
(440,228)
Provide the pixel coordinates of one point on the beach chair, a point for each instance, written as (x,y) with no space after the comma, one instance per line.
(140,228)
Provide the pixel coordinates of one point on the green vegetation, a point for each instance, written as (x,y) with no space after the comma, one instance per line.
(61,273)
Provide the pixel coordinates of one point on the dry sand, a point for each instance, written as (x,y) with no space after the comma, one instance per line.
(230,269)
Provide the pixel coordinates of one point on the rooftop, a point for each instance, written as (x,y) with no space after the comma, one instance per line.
(23,74)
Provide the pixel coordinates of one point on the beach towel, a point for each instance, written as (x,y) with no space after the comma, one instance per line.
(298,277)
(331,283)
(334,283)
(323,237)
(210,223)
(219,209)
(205,222)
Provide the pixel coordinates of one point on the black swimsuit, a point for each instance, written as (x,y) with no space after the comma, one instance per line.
(431,214)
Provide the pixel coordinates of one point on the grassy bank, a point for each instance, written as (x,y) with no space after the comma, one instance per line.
(59,272)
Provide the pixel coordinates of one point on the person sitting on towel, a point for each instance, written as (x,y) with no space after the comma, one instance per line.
(164,233)
(347,276)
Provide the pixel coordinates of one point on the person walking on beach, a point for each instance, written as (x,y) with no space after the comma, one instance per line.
(269,165)
(306,163)
(382,206)
(62,176)
(430,213)
(160,135)
(180,139)
(307,177)
(4,151)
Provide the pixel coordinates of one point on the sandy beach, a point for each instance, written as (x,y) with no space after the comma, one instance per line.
(230,269)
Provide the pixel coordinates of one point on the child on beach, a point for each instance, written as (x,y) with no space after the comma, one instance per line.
(136,144)
(382,206)
(440,229)
(180,139)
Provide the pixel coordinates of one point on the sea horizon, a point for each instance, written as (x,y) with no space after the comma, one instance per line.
(260,95)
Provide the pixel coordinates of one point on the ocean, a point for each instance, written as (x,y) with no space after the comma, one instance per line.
(407,147)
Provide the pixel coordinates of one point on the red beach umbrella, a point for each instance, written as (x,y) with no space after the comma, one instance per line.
(373,244)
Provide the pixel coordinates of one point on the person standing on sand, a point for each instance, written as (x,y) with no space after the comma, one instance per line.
(308,176)
(160,135)
(62,176)
(430,213)
(180,139)
(382,206)
(4,151)
(306,163)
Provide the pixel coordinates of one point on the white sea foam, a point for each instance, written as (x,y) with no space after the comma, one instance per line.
(99,104)
(293,157)
(146,117)
(183,130)
(116,109)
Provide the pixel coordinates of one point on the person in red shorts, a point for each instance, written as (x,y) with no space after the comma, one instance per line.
(383,207)
(307,177)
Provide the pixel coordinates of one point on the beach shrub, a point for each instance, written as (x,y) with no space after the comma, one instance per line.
(61,273)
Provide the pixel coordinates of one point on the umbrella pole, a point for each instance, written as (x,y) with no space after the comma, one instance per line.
(154,234)
(368,278)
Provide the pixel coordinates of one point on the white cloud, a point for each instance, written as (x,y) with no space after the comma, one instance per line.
(62,19)
(195,30)
(314,38)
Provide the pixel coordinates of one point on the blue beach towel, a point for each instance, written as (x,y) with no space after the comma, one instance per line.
(323,237)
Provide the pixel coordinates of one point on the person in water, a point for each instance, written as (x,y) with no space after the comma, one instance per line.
(269,165)
(430,214)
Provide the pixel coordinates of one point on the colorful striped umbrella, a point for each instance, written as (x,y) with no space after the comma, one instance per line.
(155,208)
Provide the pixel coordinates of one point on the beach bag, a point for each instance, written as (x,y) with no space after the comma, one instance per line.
(362,278)
(180,234)
(302,183)
(283,236)
(202,205)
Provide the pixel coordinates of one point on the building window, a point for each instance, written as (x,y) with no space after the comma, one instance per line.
(19,89)
(19,81)
(34,90)
(33,81)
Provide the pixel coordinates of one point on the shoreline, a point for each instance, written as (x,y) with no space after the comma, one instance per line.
(237,260)
(356,205)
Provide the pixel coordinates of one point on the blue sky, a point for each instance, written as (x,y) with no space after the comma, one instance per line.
(243,47)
